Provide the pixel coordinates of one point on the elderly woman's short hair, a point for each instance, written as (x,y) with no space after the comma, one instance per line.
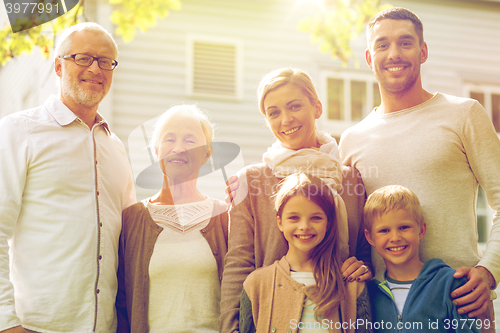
(186,110)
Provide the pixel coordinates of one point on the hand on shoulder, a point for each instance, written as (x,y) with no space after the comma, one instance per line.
(473,297)
(354,269)
(232,186)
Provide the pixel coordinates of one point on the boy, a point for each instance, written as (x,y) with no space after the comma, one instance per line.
(415,296)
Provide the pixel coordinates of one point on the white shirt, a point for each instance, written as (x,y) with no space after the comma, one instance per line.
(308,321)
(400,291)
(62,190)
(184,286)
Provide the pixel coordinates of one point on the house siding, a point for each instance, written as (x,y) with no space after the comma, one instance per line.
(462,36)
(153,67)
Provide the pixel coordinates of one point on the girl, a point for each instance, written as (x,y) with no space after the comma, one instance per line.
(304,291)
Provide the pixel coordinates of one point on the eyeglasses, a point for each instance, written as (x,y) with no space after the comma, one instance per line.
(86,60)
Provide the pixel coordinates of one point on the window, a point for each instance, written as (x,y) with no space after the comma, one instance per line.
(484,215)
(489,97)
(350,97)
(214,68)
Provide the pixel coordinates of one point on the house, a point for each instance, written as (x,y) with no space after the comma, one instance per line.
(214,53)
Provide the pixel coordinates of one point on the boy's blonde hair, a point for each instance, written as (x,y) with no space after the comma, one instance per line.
(389,198)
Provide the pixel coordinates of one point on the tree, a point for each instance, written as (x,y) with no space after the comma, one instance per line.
(128,16)
(343,20)
(333,29)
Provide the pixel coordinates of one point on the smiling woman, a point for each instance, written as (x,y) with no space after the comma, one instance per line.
(182,149)
(290,104)
(173,244)
(290,114)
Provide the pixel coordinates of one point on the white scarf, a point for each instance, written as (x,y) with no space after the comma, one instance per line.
(323,163)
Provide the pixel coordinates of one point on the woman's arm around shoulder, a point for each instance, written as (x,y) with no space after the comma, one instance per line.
(363,311)
(354,196)
(247,324)
(240,258)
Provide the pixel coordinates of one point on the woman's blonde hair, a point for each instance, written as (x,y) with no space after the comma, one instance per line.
(330,288)
(281,77)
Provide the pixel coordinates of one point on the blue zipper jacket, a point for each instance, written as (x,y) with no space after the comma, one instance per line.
(428,307)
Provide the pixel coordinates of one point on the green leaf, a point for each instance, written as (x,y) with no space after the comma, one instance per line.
(344,20)
(133,15)
(128,16)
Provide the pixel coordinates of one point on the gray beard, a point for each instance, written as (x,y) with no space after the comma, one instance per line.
(88,98)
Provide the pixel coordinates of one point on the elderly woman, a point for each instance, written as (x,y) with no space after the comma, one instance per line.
(173,244)
(290,105)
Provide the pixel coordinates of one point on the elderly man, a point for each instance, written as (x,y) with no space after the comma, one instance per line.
(439,146)
(64,182)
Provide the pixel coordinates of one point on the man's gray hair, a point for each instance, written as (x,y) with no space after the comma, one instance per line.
(63,45)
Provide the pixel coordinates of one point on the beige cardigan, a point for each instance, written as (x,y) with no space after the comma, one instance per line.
(137,241)
(277,299)
(255,240)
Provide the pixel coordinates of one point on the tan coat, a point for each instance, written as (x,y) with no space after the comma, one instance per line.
(277,300)
(255,240)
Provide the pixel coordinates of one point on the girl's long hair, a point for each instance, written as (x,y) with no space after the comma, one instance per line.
(330,288)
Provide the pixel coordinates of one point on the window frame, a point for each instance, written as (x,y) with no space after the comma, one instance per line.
(335,126)
(487,90)
(486,212)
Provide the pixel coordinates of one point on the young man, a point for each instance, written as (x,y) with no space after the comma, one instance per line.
(414,296)
(439,146)
(64,182)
